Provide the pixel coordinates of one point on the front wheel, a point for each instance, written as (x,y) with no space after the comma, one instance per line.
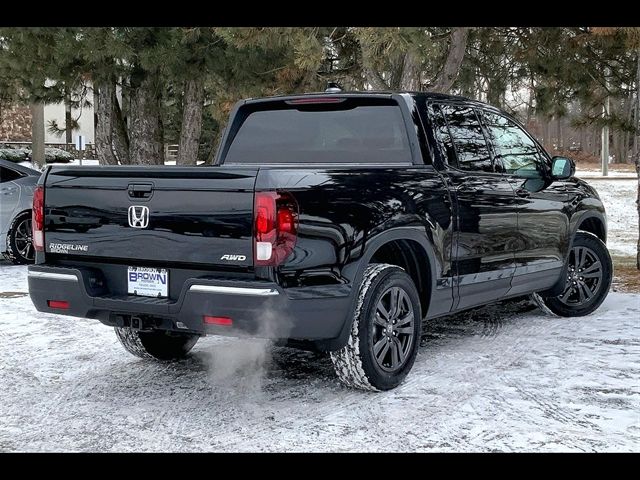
(385,332)
(589,273)
(156,344)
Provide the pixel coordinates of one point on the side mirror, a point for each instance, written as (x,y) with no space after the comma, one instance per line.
(562,167)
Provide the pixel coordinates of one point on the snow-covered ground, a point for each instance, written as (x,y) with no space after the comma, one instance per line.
(84,163)
(618,197)
(497,379)
(612,173)
(504,378)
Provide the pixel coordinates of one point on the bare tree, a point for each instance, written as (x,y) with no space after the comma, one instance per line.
(191,122)
(37,133)
(145,128)
(636,157)
(103,95)
(455,55)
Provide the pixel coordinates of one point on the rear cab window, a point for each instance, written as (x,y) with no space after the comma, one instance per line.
(339,130)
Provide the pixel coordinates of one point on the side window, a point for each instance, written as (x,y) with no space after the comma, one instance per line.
(441,131)
(8,175)
(515,152)
(468,139)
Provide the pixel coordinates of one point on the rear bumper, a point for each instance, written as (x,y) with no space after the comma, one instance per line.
(261,309)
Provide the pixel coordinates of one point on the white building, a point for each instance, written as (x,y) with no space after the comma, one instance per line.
(55,111)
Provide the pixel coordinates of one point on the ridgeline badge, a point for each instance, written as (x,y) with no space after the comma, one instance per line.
(67,248)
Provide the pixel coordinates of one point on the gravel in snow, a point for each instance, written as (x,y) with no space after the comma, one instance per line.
(505,377)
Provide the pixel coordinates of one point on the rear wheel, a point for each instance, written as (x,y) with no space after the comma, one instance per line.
(589,273)
(19,245)
(158,344)
(385,332)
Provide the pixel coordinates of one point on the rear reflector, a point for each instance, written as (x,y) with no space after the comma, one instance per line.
(61,304)
(263,251)
(223,321)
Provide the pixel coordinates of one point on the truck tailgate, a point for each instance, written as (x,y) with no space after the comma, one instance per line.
(195,215)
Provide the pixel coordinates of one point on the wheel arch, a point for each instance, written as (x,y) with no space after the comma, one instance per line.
(3,244)
(591,221)
(26,211)
(421,249)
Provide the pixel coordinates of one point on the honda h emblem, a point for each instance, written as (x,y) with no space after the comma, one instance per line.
(138,216)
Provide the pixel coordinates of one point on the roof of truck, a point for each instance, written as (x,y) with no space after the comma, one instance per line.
(366,93)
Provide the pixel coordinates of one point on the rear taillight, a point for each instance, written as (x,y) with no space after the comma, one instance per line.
(275,227)
(37,218)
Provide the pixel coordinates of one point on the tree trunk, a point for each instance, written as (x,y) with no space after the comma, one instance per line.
(191,122)
(618,146)
(103,101)
(374,78)
(634,141)
(120,137)
(546,133)
(410,77)
(455,54)
(68,120)
(636,157)
(145,129)
(530,108)
(629,120)
(494,92)
(37,134)
(595,141)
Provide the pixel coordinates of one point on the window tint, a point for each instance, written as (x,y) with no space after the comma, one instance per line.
(442,133)
(469,142)
(368,134)
(515,152)
(8,175)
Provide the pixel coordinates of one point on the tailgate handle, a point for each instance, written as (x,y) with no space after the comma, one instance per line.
(140,190)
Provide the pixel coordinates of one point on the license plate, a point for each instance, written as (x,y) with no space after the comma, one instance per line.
(148,282)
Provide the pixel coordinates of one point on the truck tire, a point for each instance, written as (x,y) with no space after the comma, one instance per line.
(385,332)
(19,246)
(156,344)
(588,278)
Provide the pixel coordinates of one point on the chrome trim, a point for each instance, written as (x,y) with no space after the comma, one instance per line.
(259,292)
(67,277)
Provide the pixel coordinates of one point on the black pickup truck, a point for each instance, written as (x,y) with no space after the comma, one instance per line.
(332,221)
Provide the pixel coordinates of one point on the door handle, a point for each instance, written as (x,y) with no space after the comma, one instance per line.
(523,193)
(140,190)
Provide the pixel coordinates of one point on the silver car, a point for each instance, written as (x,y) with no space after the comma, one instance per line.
(16,195)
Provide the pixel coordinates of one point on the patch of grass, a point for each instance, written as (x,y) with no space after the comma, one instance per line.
(626,277)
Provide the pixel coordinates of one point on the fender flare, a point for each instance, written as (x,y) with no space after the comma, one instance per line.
(355,272)
(574,223)
(579,217)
